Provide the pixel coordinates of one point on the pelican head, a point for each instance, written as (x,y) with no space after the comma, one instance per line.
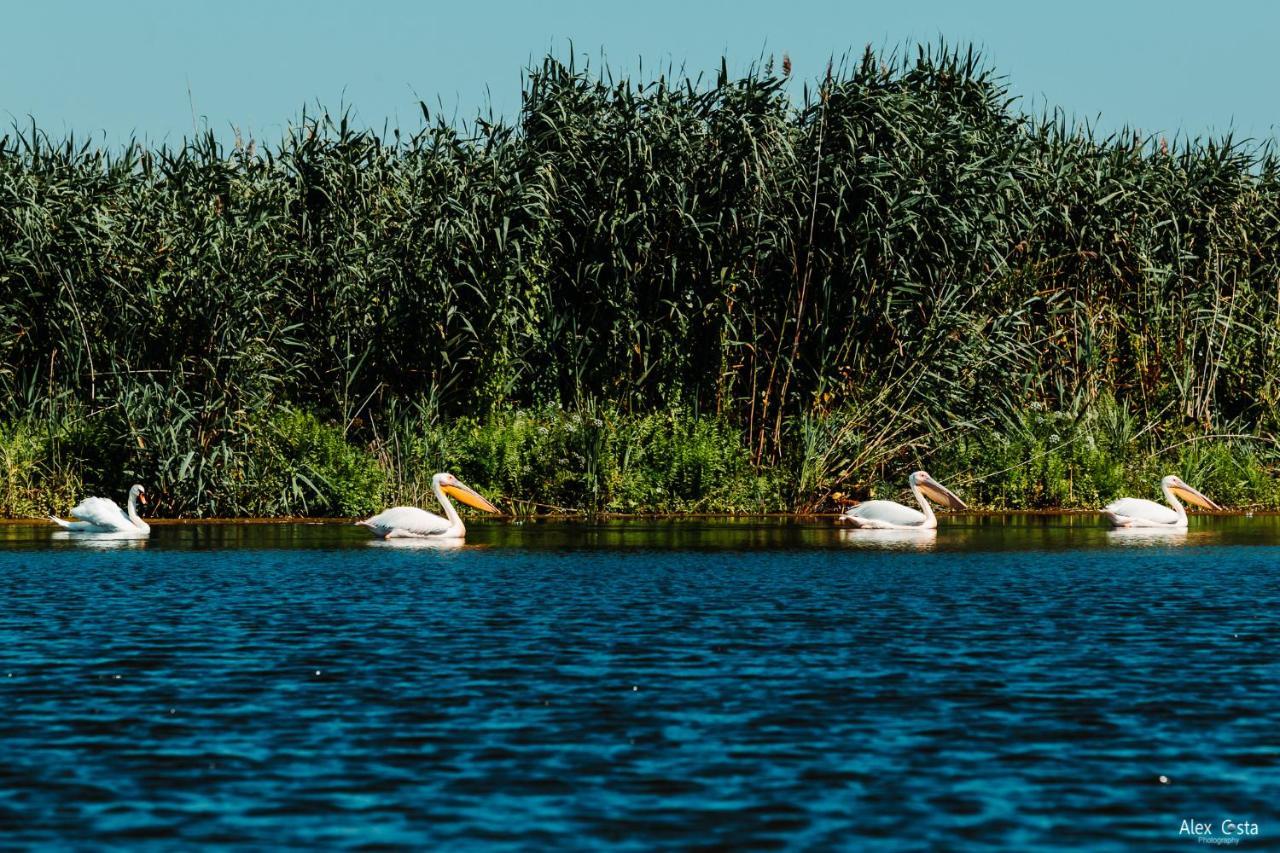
(1175,485)
(936,492)
(455,488)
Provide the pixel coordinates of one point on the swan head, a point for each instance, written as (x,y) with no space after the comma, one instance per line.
(935,491)
(1174,484)
(139,493)
(455,488)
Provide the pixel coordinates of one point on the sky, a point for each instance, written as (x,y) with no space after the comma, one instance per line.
(156,70)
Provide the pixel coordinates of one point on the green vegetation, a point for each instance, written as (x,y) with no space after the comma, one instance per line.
(31,478)
(1042,460)
(309,468)
(669,294)
(591,460)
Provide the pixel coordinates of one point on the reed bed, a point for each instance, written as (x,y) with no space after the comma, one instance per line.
(884,267)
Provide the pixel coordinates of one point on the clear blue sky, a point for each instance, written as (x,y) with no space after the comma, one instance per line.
(118,68)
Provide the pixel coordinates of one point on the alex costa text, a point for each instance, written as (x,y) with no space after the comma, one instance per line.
(1226,827)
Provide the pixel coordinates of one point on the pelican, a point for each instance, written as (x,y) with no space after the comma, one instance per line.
(404,522)
(1136,512)
(888,515)
(103,515)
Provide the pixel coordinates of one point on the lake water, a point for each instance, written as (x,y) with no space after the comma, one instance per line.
(1012,683)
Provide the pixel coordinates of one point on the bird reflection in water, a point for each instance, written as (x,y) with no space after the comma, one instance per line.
(890,540)
(422,544)
(1158,537)
(123,539)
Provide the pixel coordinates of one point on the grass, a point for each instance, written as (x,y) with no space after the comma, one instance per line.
(603,460)
(597,460)
(677,292)
(33,483)
(1039,459)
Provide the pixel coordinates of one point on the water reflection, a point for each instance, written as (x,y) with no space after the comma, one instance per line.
(889,540)
(959,532)
(100,540)
(1147,536)
(418,544)
(1165,537)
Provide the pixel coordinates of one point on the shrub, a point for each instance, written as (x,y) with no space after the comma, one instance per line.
(307,467)
(32,482)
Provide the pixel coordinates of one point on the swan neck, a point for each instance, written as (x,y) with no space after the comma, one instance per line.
(925,506)
(133,513)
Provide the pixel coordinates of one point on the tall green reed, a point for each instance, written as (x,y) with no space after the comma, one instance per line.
(888,253)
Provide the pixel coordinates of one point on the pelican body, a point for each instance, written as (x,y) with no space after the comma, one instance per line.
(1137,512)
(889,515)
(404,522)
(103,515)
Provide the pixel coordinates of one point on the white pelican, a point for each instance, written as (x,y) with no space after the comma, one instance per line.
(1137,512)
(888,515)
(102,515)
(403,522)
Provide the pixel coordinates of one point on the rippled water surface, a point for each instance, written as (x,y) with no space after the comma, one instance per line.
(1012,683)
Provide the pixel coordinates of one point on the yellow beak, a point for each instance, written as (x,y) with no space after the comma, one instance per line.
(470,497)
(1194,496)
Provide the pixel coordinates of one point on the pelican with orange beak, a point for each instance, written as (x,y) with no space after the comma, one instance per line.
(1137,512)
(409,522)
(888,515)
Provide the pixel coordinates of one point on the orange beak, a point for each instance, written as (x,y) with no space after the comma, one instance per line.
(470,497)
(1190,495)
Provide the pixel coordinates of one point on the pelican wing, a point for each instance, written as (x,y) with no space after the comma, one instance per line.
(888,512)
(1144,510)
(407,521)
(103,513)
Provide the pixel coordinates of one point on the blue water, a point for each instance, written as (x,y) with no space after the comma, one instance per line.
(764,684)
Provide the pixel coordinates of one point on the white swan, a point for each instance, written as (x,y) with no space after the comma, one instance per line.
(103,515)
(411,522)
(1137,512)
(889,515)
